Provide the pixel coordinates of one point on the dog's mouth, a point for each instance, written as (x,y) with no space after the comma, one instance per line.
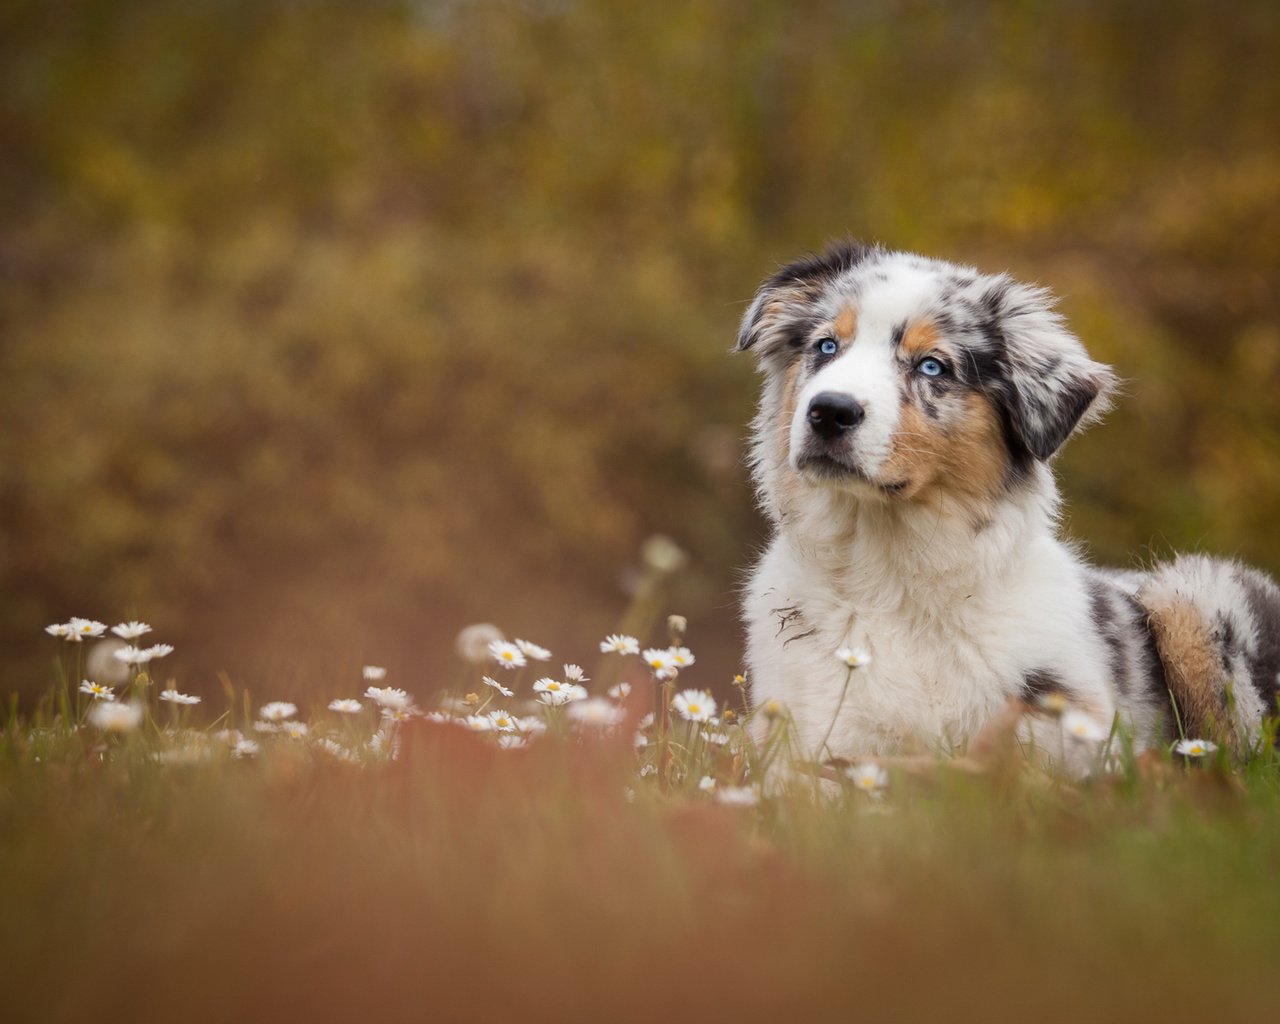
(827,467)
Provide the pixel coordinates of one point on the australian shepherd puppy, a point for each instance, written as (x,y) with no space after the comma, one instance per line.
(902,450)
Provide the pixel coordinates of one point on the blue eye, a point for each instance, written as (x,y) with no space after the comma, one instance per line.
(931,368)
(828,347)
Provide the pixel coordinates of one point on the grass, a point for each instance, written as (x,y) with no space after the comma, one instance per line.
(459,880)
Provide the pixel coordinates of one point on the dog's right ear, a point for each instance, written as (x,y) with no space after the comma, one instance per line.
(782,315)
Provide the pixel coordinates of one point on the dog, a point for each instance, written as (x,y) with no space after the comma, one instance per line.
(902,451)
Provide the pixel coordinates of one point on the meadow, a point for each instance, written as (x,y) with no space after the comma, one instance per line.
(551,846)
(330,330)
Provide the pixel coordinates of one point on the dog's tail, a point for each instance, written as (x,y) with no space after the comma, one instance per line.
(1217,628)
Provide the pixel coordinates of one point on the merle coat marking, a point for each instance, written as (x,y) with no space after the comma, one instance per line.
(901,449)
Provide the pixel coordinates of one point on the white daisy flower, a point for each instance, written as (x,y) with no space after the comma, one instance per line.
(868,777)
(472,642)
(131,655)
(718,738)
(646,722)
(511,741)
(373,673)
(265,727)
(1080,726)
(479,723)
(389,697)
(639,741)
(61,630)
(574,674)
(114,716)
(596,713)
(295,730)
(681,657)
(346,706)
(531,650)
(619,643)
(554,693)
(391,714)
(277,711)
(159,651)
(86,628)
(659,659)
(503,721)
(620,692)
(490,681)
(97,691)
(507,655)
(1195,748)
(174,697)
(737,796)
(244,748)
(694,705)
(706,784)
(1055,702)
(530,725)
(853,657)
(130,630)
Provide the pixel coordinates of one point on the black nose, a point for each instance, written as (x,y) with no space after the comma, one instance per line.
(830,414)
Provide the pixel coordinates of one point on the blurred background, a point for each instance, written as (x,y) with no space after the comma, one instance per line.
(328,328)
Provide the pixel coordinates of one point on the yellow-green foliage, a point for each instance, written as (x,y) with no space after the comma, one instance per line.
(375,318)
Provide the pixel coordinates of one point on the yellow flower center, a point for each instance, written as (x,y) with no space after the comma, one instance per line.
(695,709)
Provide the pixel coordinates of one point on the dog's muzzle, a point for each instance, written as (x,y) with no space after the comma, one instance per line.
(832,415)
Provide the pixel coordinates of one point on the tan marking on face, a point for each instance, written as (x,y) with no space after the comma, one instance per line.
(846,324)
(921,338)
(964,460)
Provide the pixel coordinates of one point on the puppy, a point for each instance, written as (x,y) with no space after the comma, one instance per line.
(910,412)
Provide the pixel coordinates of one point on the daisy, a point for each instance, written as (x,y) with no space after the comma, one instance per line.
(174,697)
(619,643)
(659,659)
(868,777)
(737,796)
(646,722)
(479,723)
(373,673)
(574,674)
(1055,702)
(694,705)
(97,691)
(110,716)
(346,706)
(158,651)
(718,738)
(267,727)
(707,784)
(1194,748)
(295,730)
(620,692)
(131,655)
(1080,726)
(512,741)
(530,725)
(389,697)
(60,629)
(854,657)
(533,651)
(596,713)
(490,681)
(507,655)
(277,711)
(393,714)
(86,627)
(681,657)
(244,748)
(502,721)
(130,630)
(740,680)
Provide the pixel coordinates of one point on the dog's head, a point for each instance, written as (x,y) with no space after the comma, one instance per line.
(904,379)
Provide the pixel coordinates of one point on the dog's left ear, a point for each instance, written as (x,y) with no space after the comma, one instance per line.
(1051,387)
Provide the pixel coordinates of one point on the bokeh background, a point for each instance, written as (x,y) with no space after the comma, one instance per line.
(327,328)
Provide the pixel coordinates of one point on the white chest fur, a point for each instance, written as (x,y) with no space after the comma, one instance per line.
(953,626)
